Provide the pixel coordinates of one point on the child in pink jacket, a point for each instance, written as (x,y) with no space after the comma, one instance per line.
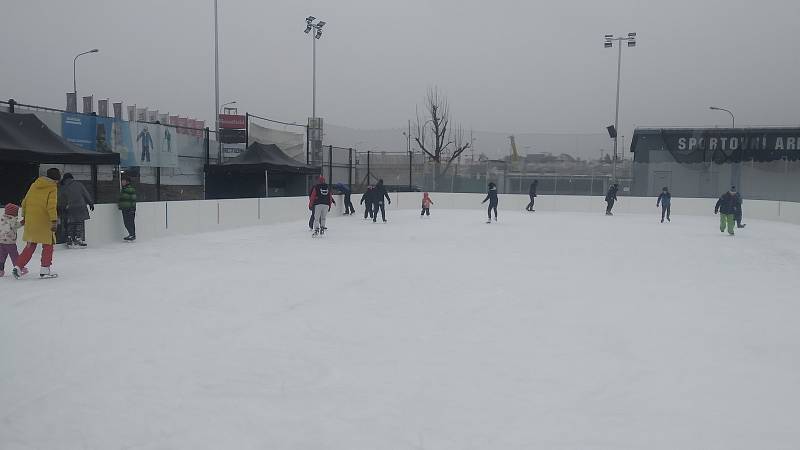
(426,205)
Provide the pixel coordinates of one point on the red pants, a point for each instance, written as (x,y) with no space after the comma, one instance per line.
(27,254)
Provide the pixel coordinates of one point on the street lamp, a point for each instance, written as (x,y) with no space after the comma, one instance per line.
(609,43)
(317,28)
(226,104)
(74,63)
(733,119)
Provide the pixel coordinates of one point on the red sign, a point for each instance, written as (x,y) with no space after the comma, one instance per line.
(232,121)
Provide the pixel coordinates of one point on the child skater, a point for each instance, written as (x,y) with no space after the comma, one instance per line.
(9,224)
(426,205)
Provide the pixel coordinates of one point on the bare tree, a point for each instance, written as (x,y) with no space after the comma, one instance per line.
(436,137)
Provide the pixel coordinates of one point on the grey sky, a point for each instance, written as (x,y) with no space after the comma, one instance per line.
(506,66)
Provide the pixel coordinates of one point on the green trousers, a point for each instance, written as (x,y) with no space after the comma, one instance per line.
(726,220)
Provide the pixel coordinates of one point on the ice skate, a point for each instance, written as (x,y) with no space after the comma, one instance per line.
(45,272)
(741,225)
(322,231)
(19,272)
(316,233)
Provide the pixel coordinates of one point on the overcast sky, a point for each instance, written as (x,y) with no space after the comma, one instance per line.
(506,66)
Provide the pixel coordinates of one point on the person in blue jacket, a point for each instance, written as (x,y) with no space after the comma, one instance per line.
(348,205)
(665,200)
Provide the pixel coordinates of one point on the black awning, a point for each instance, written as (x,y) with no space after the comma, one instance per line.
(260,157)
(25,138)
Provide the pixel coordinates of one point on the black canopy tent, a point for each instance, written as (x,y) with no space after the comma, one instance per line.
(26,142)
(260,170)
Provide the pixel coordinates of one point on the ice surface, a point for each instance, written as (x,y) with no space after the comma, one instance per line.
(543,331)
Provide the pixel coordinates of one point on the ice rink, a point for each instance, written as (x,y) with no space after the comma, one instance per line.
(542,331)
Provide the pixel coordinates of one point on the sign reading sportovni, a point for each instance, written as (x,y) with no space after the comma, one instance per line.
(732,145)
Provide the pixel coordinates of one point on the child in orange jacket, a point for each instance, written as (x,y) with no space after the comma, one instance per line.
(426,205)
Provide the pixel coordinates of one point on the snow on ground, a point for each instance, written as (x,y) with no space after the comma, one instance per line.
(544,331)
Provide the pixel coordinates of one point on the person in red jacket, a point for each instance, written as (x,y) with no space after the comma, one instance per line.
(426,204)
(320,203)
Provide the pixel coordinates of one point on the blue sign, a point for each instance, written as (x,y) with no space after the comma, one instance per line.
(80,130)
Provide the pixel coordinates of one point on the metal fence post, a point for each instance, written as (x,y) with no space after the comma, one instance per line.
(158,184)
(368,174)
(350,169)
(330,164)
(410,160)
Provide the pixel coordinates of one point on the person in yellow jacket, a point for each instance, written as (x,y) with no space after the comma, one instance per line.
(39,213)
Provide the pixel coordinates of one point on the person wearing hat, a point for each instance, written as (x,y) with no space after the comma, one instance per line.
(348,205)
(74,203)
(9,224)
(727,207)
(39,211)
(665,201)
(320,202)
(127,205)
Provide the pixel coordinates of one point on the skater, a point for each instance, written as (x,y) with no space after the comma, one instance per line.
(491,196)
(311,208)
(73,199)
(39,211)
(9,224)
(127,204)
(728,205)
(665,201)
(738,217)
(348,204)
(379,195)
(611,197)
(367,199)
(532,194)
(321,201)
(426,205)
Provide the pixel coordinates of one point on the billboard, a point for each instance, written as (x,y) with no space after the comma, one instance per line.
(232,121)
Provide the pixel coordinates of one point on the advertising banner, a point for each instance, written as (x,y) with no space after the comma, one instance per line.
(79,129)
(232,121)
(72,102)
(118,110)
(293,144)
(88,104)
(732,145)
(102,108)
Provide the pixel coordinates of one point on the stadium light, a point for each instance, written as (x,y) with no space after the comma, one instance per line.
(74,63)
(317,27)
(608,43)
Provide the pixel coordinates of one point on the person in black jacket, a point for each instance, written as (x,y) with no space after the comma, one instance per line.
(320,202)
(728,205)
(491,197)
(532,194)
(366,200)
(665,200)
(380,194)
(611,197)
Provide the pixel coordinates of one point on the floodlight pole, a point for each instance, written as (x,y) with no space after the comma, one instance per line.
(630,38)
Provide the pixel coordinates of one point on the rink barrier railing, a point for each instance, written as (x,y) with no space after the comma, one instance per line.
(164,219)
